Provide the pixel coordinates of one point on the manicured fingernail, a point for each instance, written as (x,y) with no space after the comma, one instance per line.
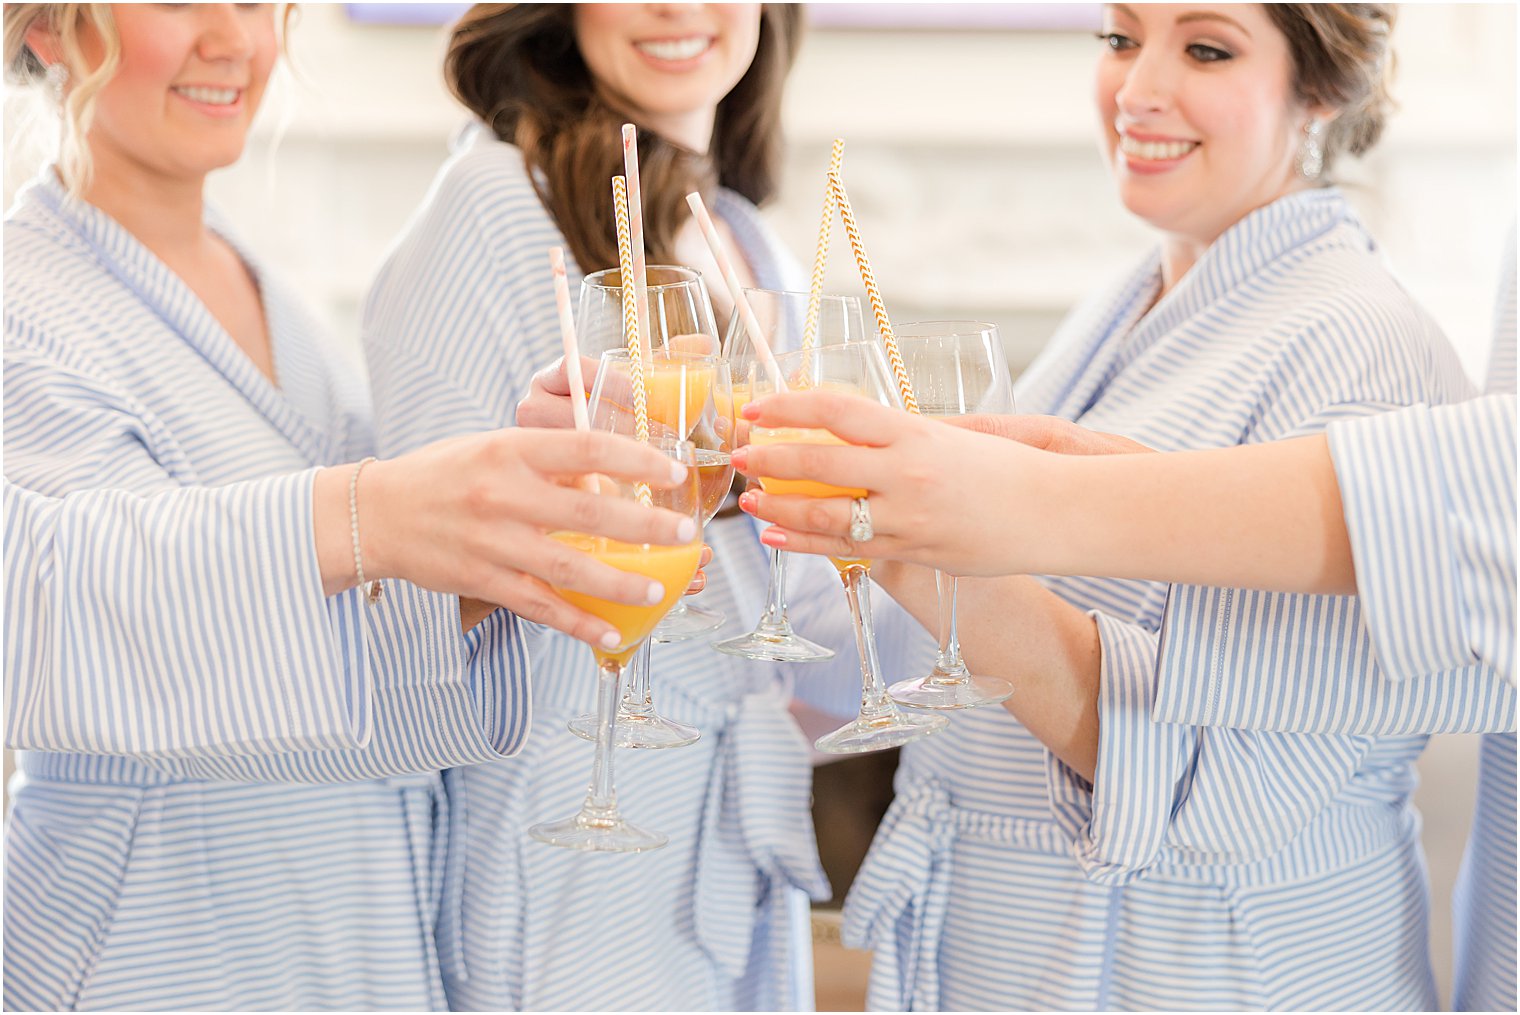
(655,594)
(772,537)
(677,472)
(611,640)
(751,410)
(748,502)
(740,458)
(686,531)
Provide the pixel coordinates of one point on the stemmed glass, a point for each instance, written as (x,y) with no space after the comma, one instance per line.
(599,825)
(783,316)
(957,367)
(689,396)
(680,318)
(859,368)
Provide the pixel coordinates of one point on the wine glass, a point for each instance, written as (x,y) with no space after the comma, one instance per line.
(680,311)
(599,825)
(688,396)
(783,316)
(956,367)
(858,368)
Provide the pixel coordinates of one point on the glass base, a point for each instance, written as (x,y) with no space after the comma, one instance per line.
(940,690)
(880,733)
(778,644)
(692,622)
(602,835)
(638,731)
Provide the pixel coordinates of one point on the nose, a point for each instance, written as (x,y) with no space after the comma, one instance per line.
(673,12)
(1148,84)
(224,33)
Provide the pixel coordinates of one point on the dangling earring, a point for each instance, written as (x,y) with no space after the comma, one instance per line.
(57,76)
(1311,151)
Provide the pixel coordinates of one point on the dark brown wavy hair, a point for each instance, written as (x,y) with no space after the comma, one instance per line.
(1342,59)
(517,68)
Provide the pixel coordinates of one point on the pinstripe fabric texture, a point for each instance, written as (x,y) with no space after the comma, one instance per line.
(1204,868)
(458,321)
(1429,495)
(170,659)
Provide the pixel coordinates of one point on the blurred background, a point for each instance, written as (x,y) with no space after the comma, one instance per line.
(973,166)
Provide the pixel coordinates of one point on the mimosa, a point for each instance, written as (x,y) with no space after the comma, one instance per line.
(672,566)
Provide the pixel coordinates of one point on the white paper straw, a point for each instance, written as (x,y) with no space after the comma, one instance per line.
(736,290)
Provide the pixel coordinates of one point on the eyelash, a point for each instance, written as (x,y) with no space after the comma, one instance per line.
(1198,51)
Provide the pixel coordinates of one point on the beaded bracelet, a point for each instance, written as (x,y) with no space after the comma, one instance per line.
(373,595)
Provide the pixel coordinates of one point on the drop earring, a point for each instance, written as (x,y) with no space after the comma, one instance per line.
(1311,151)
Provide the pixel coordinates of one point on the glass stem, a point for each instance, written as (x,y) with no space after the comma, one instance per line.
(949,668)
(775,596)
(874,701)
(638,699)
(600,807)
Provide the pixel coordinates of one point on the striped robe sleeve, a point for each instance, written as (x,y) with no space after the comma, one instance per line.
(1204,795)
(1429,499)
(187,626)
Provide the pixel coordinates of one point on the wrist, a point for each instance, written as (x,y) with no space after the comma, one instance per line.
(373,500)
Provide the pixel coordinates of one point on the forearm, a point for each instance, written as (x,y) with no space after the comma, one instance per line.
(1266,516)
(1015,628)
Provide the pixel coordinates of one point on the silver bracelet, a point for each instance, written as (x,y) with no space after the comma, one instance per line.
(373,595)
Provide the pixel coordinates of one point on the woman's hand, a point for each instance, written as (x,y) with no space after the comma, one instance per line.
(471,515)
(939,495)
(1050,433)
(548,400)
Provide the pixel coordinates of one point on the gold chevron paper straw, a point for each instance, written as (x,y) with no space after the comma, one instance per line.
(821,252)
(878,308)
(631,320)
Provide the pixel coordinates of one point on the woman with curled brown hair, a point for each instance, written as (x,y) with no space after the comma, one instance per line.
(1127,833)
(460,328)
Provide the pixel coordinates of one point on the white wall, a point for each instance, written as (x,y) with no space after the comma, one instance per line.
(974,172)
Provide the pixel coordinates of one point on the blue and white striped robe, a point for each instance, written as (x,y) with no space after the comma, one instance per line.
(1203,868)
(1429,496)
(460,318)
(174,672)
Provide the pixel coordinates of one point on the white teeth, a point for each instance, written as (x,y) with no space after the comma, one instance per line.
(1155,150)
(210,96)
(676,49)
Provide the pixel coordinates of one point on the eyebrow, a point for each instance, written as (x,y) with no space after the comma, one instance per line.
(1183,19)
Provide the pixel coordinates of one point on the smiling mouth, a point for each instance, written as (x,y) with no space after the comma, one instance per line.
(1155,151)
(209,96)
(676,50)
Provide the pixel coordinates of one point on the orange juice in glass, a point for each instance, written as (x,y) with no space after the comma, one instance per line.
(762,436)
(672,566)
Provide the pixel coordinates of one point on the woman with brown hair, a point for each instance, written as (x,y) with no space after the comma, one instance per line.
(459,322)
(1110,840)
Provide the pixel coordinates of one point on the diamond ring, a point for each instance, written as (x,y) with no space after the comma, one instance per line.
(860,521)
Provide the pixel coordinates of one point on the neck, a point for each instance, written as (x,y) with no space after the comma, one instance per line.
(692,131)
(1179,253)
(164,213)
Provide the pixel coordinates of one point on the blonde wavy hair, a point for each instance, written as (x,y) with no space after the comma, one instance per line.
(67,21)
(24,67)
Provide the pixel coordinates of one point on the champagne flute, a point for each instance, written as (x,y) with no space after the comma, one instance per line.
(688,395)
(957,367)
(599,825)
(858,368)
(680,319)
(783,316)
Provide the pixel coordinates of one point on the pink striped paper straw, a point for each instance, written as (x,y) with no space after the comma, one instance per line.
(568,339)
(736,289)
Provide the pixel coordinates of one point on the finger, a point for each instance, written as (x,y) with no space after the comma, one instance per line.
(554,379)
(827,546)
(838,465)
(532,600)
(850,417)
(706,557)
(693,344)
(558,452)
(819,516)
(698,583)
(572,509)
(575,574)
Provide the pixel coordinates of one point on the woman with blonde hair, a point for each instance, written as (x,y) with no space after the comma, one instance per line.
(235,652)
